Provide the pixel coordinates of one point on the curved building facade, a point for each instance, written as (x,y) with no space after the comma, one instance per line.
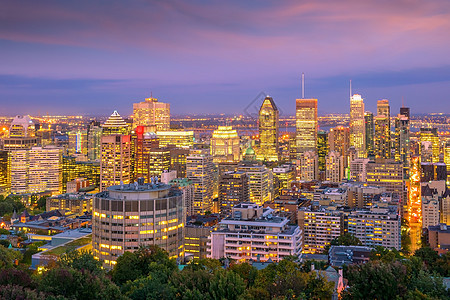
(127,216)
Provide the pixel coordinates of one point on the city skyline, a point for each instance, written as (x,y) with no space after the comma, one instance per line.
(211,58)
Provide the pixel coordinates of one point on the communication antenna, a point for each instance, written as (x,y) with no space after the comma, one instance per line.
(303,85)
(403,101)
(350,88)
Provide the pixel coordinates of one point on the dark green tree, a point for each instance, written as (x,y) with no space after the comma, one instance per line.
(81,261)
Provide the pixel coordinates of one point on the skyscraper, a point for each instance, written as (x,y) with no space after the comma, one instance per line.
(268,130)
(306,125)
(199,170)
(115,167)
(415,204)
(94,133)
(115,125)
(402,131)
(370,129)
(259,179)
(233,189)
(149,159)
(153,115)
(322,148)
(334,167)
(429,145)
(382,137)
(225,145)
(357,125)
(5,175)
(339,141)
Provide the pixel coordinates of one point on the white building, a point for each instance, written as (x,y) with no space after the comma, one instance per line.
(358,169)
(430,212)
(308,166)
(253,232)
(334,167)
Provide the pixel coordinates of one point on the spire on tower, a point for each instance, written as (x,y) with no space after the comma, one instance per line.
(350,88)
(303,85)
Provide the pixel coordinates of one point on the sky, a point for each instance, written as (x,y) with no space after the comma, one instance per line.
(93,57)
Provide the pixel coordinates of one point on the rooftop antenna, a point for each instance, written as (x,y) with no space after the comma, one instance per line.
(303,85)
(350,88)
(403,101)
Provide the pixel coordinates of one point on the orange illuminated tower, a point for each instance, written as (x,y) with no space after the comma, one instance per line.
(415,204)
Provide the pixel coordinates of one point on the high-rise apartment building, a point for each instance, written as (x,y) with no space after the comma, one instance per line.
(5,175)
(357,125)
(253,232)
(334,167)
(259,181)
(402,136)
(268,130)
(187,193)
(225,145)
(447,155)
(115,166)
(153,115)
(233,189)
(430,212)
(382,138)
(370,131)
(128,216)
(199,170)
(386,173)
(178,161)
(285,175)
(308,166)
(306,125)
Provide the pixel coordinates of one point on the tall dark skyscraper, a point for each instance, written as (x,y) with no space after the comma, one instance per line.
(268,130)
(322,148)
(368,120)
(402,132)
(382,136)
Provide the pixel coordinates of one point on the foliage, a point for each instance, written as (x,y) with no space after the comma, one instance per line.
(32,248)
(347,239)
(3,231)
(41,203)
(5,243)
(81,261)
(10,204)
(8,257)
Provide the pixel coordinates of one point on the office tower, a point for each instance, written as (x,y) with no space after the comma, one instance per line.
(415,204)
(357,125)
(78,142)
(444,207)
(177,138)
(22,126)
(115,166)
(199,170)
(196,241)
(306,125)
(73,169)
(402,132)
(259,180)
(370,130)
(21,134)
(178,161)
(322,148)
(128,216)
(382,138)
(94,137)
(262,244)
(225,145)
(429,145)
(447,155)
(5,175)
(233,189)
(308,166)
(153,115)
(376,227)
(361,194)
(334,167)
(187,193)
(144,146)
(268,130)
(45,169)
(115,125)
(430,212)
(285,175)
(320,228)
(386,173)
(45,135)
(433,172)
(77,204)
(36,170)
(339,141)
(225,167)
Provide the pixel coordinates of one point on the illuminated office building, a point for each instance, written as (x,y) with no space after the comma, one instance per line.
(306,125)
(268,130)
(386,173)
(45,135)
(370,131)
(447,155)
(334,167)
(22,126)
(415,204)
(115,125)
(382,138)
(178,161)
(429,145)
(259,180)
(5,176)
(322,148)
(153,115)
(187,193)
(115,166)
(199,170)
(94,138)
(285,175)
(308,166)
(128,216)
(233,189)
(73,169)
(36,170)
(357,125)
(147,162)
(402,135)
(177,138)
(78,142)
(339,141)
(225,145)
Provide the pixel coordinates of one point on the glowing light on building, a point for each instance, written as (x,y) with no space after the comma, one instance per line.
(415,204)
